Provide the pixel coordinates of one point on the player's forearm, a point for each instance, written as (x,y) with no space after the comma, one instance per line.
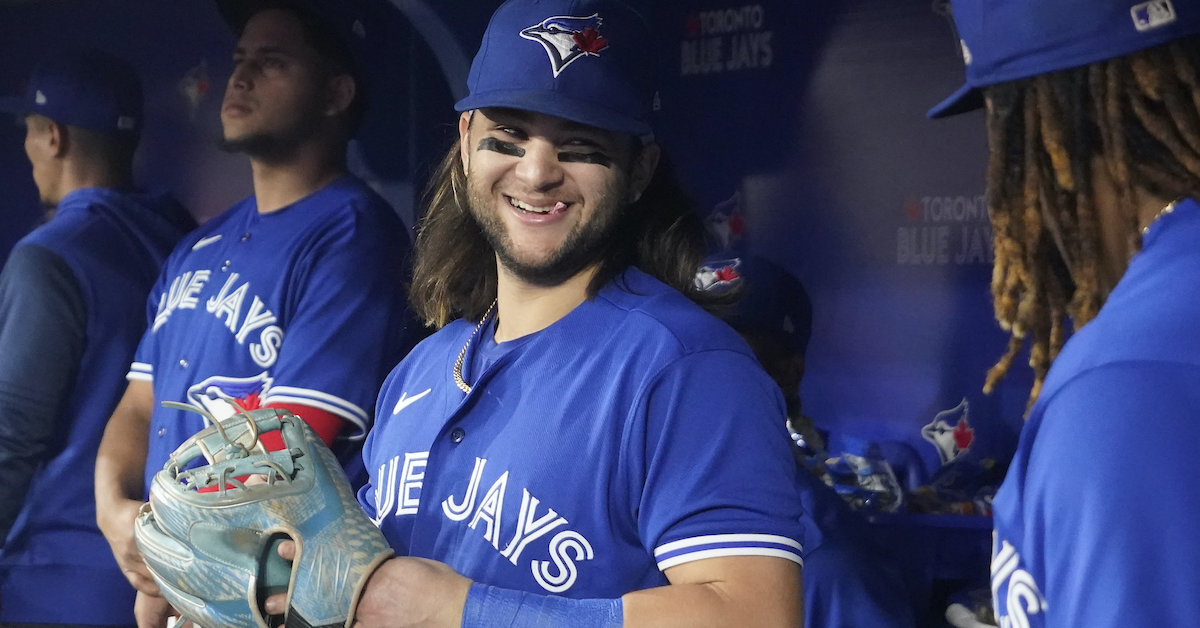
(735,591)
(121,458)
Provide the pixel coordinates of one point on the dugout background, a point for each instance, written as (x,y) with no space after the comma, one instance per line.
(803,121)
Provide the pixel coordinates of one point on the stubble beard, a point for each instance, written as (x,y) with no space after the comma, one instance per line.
(585,245)
(273,146)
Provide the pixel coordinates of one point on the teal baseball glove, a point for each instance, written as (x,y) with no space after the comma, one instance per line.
(210,538)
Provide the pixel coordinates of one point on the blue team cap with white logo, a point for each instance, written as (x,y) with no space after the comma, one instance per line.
(1006,40)
(90,89)
(588,61)
(772,302)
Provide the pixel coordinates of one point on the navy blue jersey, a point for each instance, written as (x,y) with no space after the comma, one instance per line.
(304,305)
(1096,519)
(72,298)
(634,434)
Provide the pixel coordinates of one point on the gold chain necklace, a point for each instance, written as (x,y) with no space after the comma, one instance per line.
(462,355)
(1162,212)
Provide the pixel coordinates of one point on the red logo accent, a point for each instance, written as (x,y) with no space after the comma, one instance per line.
(737,224)
(964,434)
(590,41)
(727,274)
(251,401)
(912,208)
(692,26)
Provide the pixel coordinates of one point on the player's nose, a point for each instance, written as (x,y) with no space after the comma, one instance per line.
(540,168)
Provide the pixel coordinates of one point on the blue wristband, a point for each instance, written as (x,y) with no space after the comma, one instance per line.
(493,607)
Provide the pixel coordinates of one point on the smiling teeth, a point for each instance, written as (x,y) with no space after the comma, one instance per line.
(536,210)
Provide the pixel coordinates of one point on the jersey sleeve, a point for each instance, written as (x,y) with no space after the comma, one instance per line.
(346,323)
(1108,501)
(43,324)
(142,368)
(714,430)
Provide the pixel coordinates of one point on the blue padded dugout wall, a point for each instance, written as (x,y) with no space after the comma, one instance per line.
(804,118)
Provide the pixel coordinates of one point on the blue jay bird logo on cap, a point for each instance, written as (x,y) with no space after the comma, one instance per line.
(568,38)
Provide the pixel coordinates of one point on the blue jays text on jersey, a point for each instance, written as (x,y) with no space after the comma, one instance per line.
(304,305)
(240,315)
(589,457)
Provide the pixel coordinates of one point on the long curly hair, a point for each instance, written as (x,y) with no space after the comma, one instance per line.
(1138,118)
(454,269)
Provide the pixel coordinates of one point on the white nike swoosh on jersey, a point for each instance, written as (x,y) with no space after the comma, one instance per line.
(406,401)
(203,242)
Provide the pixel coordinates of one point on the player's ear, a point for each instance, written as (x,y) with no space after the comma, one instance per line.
(341,90)
(464,133)
(645,162)
(47,137)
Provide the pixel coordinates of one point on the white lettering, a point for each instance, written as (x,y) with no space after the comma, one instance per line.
(491,509)
(265,353)
(228,303)
(530,527)
(1022,597)
(385,490)
(564,543)
(411,479)
(460,511)
(258,316)
(181,295)
(740,19)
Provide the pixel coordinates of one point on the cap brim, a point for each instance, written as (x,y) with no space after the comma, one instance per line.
(967,98)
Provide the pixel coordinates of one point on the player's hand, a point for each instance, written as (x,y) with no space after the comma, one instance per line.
(152,611)
(116,523)
(408,592)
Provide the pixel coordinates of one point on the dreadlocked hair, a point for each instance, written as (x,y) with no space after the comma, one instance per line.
(454,269)
(1136,116)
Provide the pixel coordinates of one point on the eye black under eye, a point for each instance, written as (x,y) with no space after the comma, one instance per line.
(500,146)
(600,159)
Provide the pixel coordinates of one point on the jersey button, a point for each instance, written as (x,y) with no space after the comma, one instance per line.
(245,236)
(162,431)
(226,265)
(183,363)
(457,435)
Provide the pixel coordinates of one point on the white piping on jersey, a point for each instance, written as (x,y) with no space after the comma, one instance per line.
(727,538)
(728,551)
(140,372)
(321,400)
(746,545)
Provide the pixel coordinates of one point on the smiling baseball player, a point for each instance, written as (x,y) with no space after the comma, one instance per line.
(584,445)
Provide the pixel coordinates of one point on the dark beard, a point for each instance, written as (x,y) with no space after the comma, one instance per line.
(274,148)
(262,147)
(585,245)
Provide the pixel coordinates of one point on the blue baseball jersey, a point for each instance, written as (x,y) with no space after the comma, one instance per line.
(634,434)
(302,305)
(1095,523)
(72,297)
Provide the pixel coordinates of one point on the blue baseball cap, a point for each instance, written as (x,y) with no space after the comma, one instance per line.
(91,89)
(588,61)
(1006,40)
(772,302)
